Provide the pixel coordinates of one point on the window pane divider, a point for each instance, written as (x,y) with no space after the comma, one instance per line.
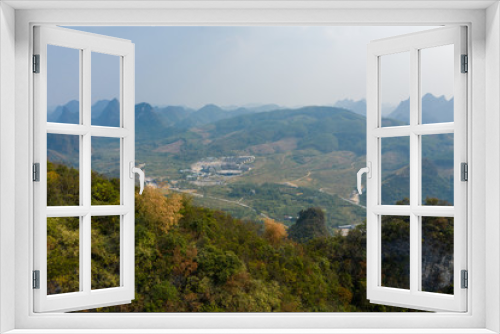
(396,131)
(81,130)
(392,210)
(67,129)
(434,211)
(434,129)
(109,210)
(101,131)
(422,129)
(419,210)
(80,211)
(67,211)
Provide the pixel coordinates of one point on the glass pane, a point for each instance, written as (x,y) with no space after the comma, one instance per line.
(437,169)
(105,171)
(63,85)
(105,252)
(63,255)
(63,175)
(395,87)
(437,254)
(395,171)
(105,90)
(396,252)
(437,76)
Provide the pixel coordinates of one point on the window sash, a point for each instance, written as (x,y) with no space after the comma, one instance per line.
(414,298)
(87,43)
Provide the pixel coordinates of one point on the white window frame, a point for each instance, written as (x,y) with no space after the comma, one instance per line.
(483,124)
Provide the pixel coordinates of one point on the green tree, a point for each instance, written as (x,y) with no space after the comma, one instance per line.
(310,224)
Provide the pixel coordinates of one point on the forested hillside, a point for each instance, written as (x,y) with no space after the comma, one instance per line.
(195,259)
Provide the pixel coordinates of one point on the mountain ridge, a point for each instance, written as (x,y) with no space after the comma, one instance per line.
(434,110)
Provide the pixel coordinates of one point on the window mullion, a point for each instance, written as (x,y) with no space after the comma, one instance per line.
(81,176)
(85,247)
(86,116)
(414,171)
(86,173)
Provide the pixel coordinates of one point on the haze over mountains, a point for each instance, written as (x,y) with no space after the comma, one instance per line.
(106,112)
(316,149)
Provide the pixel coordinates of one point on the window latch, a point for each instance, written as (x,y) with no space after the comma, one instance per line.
(368,171)
(134,170)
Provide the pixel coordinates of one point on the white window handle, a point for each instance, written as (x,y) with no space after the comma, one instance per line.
(134,170)
(368,171)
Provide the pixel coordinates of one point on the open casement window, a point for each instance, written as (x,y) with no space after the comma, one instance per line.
(76,144)
(416,198)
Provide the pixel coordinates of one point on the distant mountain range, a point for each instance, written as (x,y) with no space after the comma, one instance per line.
(69,113)
(359,107)
(434,109)
(106,112)
(299,139)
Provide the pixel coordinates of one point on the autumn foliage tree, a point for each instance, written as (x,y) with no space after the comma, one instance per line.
(274,231)
(195,259)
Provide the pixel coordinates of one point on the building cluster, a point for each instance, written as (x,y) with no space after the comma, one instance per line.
(345,229)
(215,171)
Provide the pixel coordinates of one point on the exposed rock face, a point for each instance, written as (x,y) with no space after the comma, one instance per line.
(437,253)
(437,272)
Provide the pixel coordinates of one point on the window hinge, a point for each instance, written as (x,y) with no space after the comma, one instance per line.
(36,279)
(36,63)
(465,279)
(36,172)
(465,64)
(464,171)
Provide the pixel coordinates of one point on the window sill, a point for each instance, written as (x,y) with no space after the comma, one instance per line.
(251,331)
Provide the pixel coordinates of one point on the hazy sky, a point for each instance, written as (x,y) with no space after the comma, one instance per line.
(289,66)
